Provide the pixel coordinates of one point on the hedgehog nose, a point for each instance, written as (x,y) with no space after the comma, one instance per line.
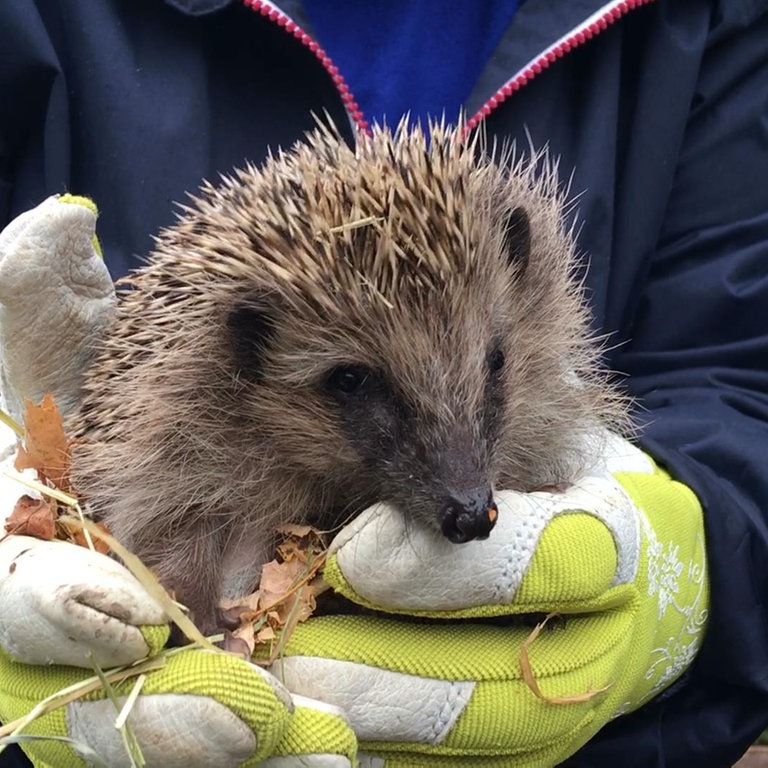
(467,516)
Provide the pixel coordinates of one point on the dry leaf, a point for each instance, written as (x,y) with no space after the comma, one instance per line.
(99,545)
(33,517)
(45,447)
(246,634)
(293,531)
(266,634)
(530,679)
(273,617)
(233,644)
(286,594)
(235,606)
(277,579)
(300,542)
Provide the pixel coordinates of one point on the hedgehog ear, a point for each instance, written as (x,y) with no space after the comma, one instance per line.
(518,238)
(251,327)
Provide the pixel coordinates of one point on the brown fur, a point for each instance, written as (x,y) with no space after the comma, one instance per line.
(207,418)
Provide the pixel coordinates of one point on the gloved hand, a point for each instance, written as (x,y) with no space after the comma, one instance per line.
(66,610)
(65,607)
(620,555)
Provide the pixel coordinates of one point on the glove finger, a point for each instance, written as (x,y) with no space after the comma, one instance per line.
(61,602)
(456,689)
(381,561)
(200,709)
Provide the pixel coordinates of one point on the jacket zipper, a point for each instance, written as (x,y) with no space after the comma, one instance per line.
(266,8)
(591,26)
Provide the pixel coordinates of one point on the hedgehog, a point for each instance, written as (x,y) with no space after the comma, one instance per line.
(397,321)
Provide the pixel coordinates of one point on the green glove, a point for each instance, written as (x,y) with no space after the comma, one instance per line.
(65,605)
(620,554)
(65,608)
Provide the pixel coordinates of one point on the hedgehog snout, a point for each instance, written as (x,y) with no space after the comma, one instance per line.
(468,515)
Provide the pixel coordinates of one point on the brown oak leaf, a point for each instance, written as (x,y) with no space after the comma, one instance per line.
(286,594)
(33,517)
(45,448)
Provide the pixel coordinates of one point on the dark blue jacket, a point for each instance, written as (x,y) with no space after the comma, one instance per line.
(661,111)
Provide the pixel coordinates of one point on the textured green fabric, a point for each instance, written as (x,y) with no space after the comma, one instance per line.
(225,678)
(155,636)
(23,686)
(229,680)
(312,731)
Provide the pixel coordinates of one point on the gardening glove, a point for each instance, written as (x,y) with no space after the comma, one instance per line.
(55,298)
(619,556)
(67,611)
(621,552)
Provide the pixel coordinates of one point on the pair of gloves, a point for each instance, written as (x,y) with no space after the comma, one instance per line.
(619,556)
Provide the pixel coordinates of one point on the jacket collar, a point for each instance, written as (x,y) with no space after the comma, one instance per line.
(542,31)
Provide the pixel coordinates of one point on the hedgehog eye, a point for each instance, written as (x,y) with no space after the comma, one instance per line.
(496,360)
(348,379)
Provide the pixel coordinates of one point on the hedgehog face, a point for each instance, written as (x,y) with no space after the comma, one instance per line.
(417,441)
(390,382)
(433,463)
(397,401)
